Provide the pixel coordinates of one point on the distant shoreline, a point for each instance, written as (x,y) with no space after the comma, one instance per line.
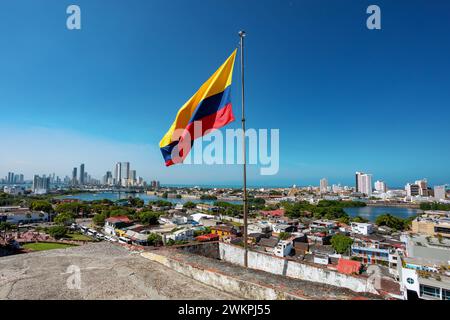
(396,205)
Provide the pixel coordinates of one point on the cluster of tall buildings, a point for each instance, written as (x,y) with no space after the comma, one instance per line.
(13,178)
(81,177)
(123,176)
(363,185)
(41,185)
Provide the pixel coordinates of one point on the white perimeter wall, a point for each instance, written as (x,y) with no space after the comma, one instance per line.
(265,262)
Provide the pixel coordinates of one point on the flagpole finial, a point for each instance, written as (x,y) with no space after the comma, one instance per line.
(242,33)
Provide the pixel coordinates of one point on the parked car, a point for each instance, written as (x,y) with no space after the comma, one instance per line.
(124,240)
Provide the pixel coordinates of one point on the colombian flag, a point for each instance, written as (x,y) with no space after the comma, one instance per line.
(209,107)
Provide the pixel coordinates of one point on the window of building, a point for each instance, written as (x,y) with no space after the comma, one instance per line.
(445,294)
(430,291)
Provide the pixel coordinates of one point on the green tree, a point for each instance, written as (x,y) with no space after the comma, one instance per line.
(99,219)
(341,243)
(359,219)
(189,205)
(154,239)
(149,217)
(391,221)
(4,225)
(41,205)
(64,218)
(284,235)
(57,232)
(119,212)
(136,202)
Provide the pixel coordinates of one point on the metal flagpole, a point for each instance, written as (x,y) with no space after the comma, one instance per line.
(242,35)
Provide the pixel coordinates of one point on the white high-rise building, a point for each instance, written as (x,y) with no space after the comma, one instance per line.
(423,187)
(412,190)
(380,186)
(118,172)
(439,192)
(323,185)
(365,184)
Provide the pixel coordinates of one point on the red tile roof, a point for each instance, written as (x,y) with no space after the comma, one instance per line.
(348,266)
(208,237)
(273,213)
(123,219)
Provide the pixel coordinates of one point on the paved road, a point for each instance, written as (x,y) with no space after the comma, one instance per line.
(107,271)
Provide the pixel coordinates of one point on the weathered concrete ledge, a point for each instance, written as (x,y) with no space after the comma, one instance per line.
(240,288)
(246,283)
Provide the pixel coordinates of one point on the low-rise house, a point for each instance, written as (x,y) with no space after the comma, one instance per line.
(138,238)
(225,230)
(278,228)
(348,266)
(114,224)
(181,235)
(259,227)
(321,238)
(321,258)
(283,248)
(373,249)
(272,213)
(23,215)
(362,228)
(209,222)
(197,216)
(207,237)
(254,237)
(301,248)
(322,225)
(268,244)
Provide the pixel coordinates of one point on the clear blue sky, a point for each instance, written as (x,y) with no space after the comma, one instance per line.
(345,98)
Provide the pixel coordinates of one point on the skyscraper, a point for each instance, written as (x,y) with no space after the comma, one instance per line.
(133,175)
(82,177)
(423,187)
(118,173)
(10,178)
(380,186)
(323,185)
(439,192)
(364,183)
(357,174)
(41,185)
(412,190)
(124,173)
(74,176)
(125,170)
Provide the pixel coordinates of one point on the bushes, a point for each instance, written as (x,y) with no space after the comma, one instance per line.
(99,219)
(392,222)
(149,217)
(154,239)
(41,205)
(189,205)
(57,232)
(284,235)
(341,243)
(64,218)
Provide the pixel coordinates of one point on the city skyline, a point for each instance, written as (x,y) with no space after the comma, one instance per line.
(363,181)
(343,97)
